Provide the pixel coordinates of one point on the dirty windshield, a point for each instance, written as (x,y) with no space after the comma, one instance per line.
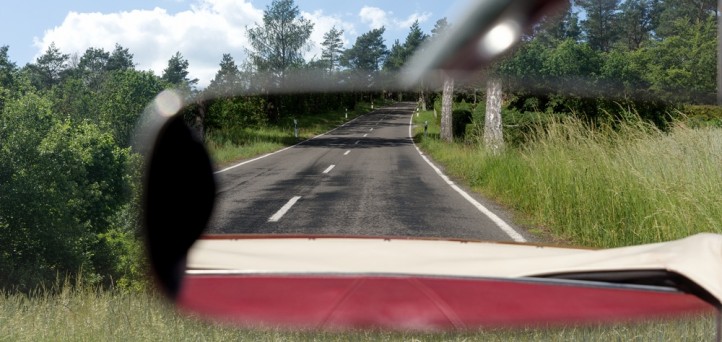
(598,125)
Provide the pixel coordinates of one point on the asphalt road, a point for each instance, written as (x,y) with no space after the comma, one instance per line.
(364,178)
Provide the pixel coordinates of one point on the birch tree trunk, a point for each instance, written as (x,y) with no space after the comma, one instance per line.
(493,135)
(447,98)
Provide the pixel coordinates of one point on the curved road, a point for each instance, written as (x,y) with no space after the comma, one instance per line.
(363,178)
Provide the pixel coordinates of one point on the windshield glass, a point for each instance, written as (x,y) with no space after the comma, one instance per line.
(596,125)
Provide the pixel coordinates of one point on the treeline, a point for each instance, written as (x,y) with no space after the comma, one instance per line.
(643,54)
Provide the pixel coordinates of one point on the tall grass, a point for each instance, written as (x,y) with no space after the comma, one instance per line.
(83,313)
(599,186)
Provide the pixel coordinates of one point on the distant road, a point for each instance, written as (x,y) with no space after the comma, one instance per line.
(364,178)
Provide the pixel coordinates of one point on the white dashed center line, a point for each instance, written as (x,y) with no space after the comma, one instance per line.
(347,152)
(284,209)
(328,169)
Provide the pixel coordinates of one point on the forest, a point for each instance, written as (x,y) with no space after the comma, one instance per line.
(70,178)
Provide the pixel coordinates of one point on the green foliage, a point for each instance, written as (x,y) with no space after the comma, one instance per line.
(399,54)
(229,113)
(683,66)
(276,46)
(368,52)
(7,69)
(332,48)
(48,69)
(601,25)
(122,100)
(460,118)
(176,73)
(701,116)
(61,184)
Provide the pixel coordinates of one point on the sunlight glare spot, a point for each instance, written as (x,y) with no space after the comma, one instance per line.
(168,103)
(500,38)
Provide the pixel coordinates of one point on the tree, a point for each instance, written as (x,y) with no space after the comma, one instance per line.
(395,59)
(636,22)
(683,67)
(332,48)
(601,26)
(176,73)
(227,78)
(120,59)
(368,52)
(493,135)
(447,95)
(122,99)
(49,68)
(7,69)
(93,66)
(413,40)
(691,12)
(276,46)
(399,53)
(50,221)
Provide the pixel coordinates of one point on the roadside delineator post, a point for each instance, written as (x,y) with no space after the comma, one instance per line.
(295,128)
(426,127)
(346,113)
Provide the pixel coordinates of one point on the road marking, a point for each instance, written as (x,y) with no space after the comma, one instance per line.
(357,141)
(366,135)
(283,149)
(372,129)
(284,209)
(347,152)
(506,228)
(328,169)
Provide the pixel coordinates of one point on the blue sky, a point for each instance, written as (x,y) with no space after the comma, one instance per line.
(202,30)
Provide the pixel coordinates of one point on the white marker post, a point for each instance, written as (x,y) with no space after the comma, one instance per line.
(347,113)
(295,128)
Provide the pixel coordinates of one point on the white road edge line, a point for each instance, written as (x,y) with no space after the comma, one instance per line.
(284,209)
(506,228)
(347,152)
(328,169)
(283,149)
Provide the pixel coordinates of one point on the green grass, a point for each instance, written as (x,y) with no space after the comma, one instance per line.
(87,314)
(597,188)
(229,145)
(600,187)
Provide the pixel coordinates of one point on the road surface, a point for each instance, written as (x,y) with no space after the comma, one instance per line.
(363,178)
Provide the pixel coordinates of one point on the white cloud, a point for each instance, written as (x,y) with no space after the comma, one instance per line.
(201,34)
(374,16)
(321,24)
(421,17)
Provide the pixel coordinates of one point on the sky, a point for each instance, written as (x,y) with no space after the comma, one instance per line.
(201,30)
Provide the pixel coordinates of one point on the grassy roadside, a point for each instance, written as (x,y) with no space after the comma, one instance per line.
(86,314)
(227,146)
(599,188)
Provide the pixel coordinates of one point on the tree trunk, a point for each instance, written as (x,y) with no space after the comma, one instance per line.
(493,136)
(447,98)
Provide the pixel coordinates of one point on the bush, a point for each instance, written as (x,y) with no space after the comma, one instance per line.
(702,116)
(460,118)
